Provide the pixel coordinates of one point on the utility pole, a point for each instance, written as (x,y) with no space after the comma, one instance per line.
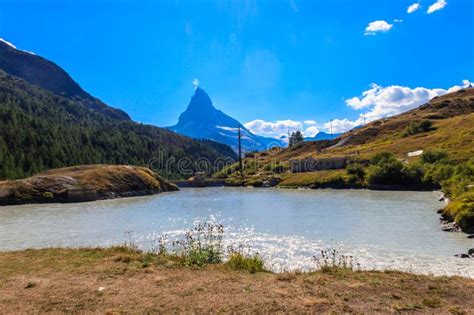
(330,126)
(240,159)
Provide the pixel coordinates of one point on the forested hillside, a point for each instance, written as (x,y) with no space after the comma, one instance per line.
(40,130)
(45,74)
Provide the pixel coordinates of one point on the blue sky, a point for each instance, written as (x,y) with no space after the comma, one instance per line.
(260,61)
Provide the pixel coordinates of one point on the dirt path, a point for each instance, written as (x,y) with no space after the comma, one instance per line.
(114,280)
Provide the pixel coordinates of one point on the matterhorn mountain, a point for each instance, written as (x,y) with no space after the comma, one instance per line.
(201,120)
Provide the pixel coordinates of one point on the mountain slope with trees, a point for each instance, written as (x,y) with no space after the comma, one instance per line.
(40,130)
(45,74)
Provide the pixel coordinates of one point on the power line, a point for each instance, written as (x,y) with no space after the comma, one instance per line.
(240,158)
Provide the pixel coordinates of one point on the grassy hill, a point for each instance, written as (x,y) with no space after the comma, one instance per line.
(378,155)
(452,129)
(40,130)
(451,115)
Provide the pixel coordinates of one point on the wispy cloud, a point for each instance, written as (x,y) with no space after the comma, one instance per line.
(377,27)
(293,6)
(413,7)
(438,5)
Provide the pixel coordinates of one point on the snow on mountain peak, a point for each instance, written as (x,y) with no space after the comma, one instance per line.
(14,47)
(8,43)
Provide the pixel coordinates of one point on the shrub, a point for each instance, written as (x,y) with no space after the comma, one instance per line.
(416,127)
(278,168)
(436,174)
(250,167)
(434,156)
(382,157)
(356,172)
(48,195)
(387,172)
(331,260)
(242,259)
(413,174)
(461,210)
(201,245)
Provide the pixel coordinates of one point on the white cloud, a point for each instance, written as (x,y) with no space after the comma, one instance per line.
(388,101)
(311,131)
(196,83)
(395,99)
(413,7)
(280,128)
(377,26)
(467,83)
(398,20)
(341,125)
(438,5)
(378,102)
(273,129)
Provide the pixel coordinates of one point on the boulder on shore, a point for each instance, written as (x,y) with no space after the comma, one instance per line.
(462,255)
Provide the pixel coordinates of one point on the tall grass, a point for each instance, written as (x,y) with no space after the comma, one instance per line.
(241,258)
(201,245)
(331,260)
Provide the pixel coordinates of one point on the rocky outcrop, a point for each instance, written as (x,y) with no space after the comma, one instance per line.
(84,183)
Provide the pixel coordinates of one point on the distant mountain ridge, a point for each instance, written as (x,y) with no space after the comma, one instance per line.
(202,120)
(323,136)
(49,76)
(47,121)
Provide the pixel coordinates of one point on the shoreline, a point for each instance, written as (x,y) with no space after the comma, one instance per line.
(119,279)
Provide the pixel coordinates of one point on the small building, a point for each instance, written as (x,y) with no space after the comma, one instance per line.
(312,165)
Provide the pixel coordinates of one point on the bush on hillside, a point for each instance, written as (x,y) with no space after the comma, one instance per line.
(416,127)
(356,172)
(382,157)
(387,170)
(413,174)
(461,210)
(434,156)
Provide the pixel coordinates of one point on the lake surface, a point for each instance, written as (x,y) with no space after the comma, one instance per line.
(382,230)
